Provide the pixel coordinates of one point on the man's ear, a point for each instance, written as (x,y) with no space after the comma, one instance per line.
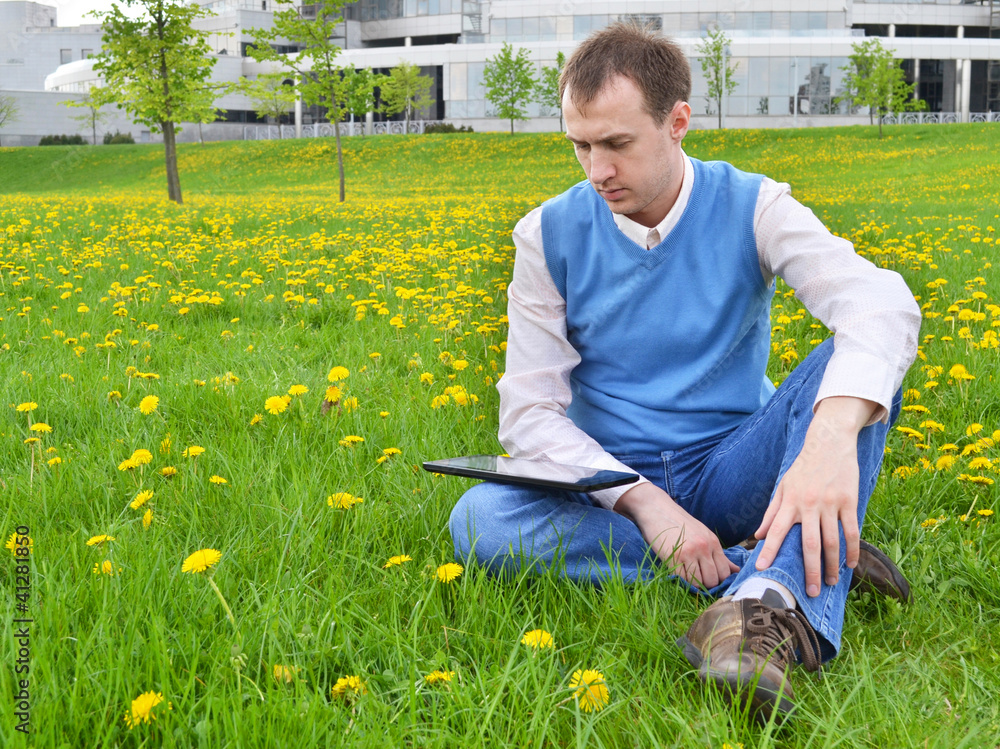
(679,120)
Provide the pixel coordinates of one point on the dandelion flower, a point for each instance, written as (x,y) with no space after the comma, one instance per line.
(201,560)
(348,687)
(257,418)
(193,451)
(114,395)
(332,394)
(27,407)
(97,540)
(15,541)
(459,364)
(350,440)
(448,572)
(437,677)
(275,405)
(984,513)
(426,378)
(147,518)
(142,708)
(343,501)
(41,427)
(148,404)
(284,674)
(141,498)
(591,691)
(104,568)
(218,480)
(127,465)
(168,471)
(55,461)
(298,390)
(338,374)
(141,457)
(397,561)
(538,639)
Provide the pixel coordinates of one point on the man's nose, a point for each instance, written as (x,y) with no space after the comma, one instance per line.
(602,167)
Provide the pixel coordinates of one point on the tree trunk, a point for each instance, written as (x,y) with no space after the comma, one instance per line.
(718,103)
(170,154)
(201,137)
(340,157)
(93,127)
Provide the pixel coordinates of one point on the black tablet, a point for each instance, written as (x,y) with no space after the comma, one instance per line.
(506,470)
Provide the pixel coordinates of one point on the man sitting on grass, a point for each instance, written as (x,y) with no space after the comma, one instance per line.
(639,336)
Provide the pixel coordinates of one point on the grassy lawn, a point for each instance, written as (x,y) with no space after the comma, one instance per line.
(142,330)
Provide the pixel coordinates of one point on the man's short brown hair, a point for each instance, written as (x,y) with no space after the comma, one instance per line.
(652,62)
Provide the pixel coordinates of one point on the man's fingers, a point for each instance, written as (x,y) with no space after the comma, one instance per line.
(775,536)
(772,510)
(831,547)
(852,537)
(812,547)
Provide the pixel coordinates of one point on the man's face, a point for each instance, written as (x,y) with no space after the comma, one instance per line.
(635,165)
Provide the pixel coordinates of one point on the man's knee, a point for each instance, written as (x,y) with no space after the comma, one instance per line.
(474,513)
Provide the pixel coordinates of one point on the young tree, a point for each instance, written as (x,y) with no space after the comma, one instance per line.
(270,96)
(405,90)
(359,91)
(509,80)
(8,109)
(153,64)
(92,116)
(201,109)
(320,79)
(547,89)
(874,79)
(716,67)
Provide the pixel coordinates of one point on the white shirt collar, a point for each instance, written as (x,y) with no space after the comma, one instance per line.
(646,237)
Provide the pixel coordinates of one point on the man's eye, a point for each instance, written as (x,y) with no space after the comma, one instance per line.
(581,146)
(618,145)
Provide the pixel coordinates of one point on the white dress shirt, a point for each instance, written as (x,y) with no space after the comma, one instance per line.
(870,310)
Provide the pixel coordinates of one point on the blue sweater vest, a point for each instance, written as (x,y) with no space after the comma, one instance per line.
(674,340)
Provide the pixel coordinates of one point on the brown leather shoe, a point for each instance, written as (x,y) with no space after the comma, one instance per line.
(875,573)
(747,648)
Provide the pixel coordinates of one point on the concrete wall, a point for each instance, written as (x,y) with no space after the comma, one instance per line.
(40,113)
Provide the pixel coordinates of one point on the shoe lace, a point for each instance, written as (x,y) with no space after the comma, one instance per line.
(775,633)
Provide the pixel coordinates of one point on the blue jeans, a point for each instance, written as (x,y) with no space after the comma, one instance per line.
(726,482)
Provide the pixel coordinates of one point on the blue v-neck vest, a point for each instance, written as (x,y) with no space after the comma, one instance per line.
(674,340)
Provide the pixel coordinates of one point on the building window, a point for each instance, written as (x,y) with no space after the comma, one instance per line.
(65,55)
(86,54)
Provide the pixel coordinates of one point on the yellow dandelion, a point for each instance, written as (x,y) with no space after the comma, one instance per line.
(168,471)
(218,480)
(977,464)
(141,498)
(348,687)
(104,568)
(945,462)
(26,407)
(98,540)
(984,513)
(193,451)
(275,405)
(427,378)
(141,457)
(147,518)
(55,461)
(538,639)
(256,419)
(41,427)
(114,395)
(349,404)
(332,394)
(397,561)
(127,465)
(911,395)
(459,364)
(973,429)
(284,674)
(343,500)
(932,426)
(448,572)
(591,691)
(338,374)
(440,400)
(142,708)
(16,541)
(438,677)
(201,560)
(148,404)
(383,414)
(981,480)
(298,390)
(350,440)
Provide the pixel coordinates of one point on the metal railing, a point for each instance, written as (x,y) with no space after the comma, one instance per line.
(937,118)
(325,129)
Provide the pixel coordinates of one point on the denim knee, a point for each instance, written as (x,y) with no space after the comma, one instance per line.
(479,501)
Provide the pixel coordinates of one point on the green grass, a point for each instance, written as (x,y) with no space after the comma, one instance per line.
(425,235)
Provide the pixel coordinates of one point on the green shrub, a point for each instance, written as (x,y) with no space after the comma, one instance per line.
(447,127)
(62,140)
(118,138)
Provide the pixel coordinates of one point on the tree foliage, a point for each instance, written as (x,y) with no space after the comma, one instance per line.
(318,77)
(874,79)
(359,90)
(547,88)
(510,83)
(719,72)
(91,116)
(270,96)
(405,90)
(8,109)
(155,66)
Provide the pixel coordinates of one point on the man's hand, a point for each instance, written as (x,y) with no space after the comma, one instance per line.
(678,539)
(820,490)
